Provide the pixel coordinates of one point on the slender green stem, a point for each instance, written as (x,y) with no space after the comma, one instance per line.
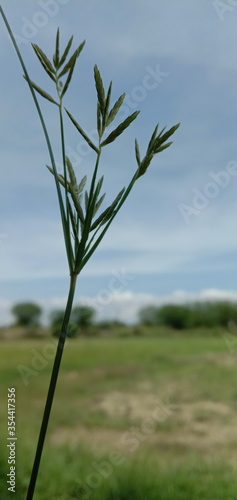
(92,187)
(65,177)
(97,242)
(63,149)
(62,210)
(51,389)
(88,219)
(92,239)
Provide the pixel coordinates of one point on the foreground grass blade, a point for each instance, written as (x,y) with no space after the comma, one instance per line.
(61,206)
(42,92)
(81,131)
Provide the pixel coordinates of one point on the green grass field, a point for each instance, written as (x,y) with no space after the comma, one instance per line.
(133,418)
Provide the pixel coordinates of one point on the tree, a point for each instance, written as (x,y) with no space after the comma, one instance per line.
(226,313)
(83,316)
(148,315)
(175,316)
(26,313)
(212,314)
(56,320)
(203,314)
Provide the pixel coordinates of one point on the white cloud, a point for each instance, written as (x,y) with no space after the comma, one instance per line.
(5,314)
(126,305)
(150,235)
(186,31)
(34,247)
(123,305)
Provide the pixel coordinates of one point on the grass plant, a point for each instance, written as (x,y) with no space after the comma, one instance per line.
(83,228)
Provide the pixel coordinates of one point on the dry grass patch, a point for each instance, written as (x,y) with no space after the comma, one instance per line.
(205,427)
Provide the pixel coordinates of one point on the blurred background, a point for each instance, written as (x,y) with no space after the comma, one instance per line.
(146,403)
(175,236)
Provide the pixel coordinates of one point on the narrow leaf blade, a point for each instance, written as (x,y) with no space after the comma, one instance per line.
(111,137)
(98,204)
(72,59)
(100,89)
(108,212)
(77,205)
(81,131)
(138,158)
(164,146)
(115,109)
(86,199)
(73,180)
(60,178)
(145,164)
(99,124)
(58,175)
(152,140)
(65,53)
(107,103)
(42,92)
(56,54)
(69,77)
(82,184)
(166,136)
(44,61)
(100,219)
(73,221)
(99,185)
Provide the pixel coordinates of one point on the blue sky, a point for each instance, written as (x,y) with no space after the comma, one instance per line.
(175,239)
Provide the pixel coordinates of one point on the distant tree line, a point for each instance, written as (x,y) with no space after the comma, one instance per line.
(28,314)
(82,317)
(179,317)
(199,314)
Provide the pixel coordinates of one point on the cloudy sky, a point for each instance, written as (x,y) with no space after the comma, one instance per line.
(175,239)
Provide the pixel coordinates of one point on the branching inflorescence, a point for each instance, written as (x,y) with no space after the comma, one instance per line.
(78,222)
